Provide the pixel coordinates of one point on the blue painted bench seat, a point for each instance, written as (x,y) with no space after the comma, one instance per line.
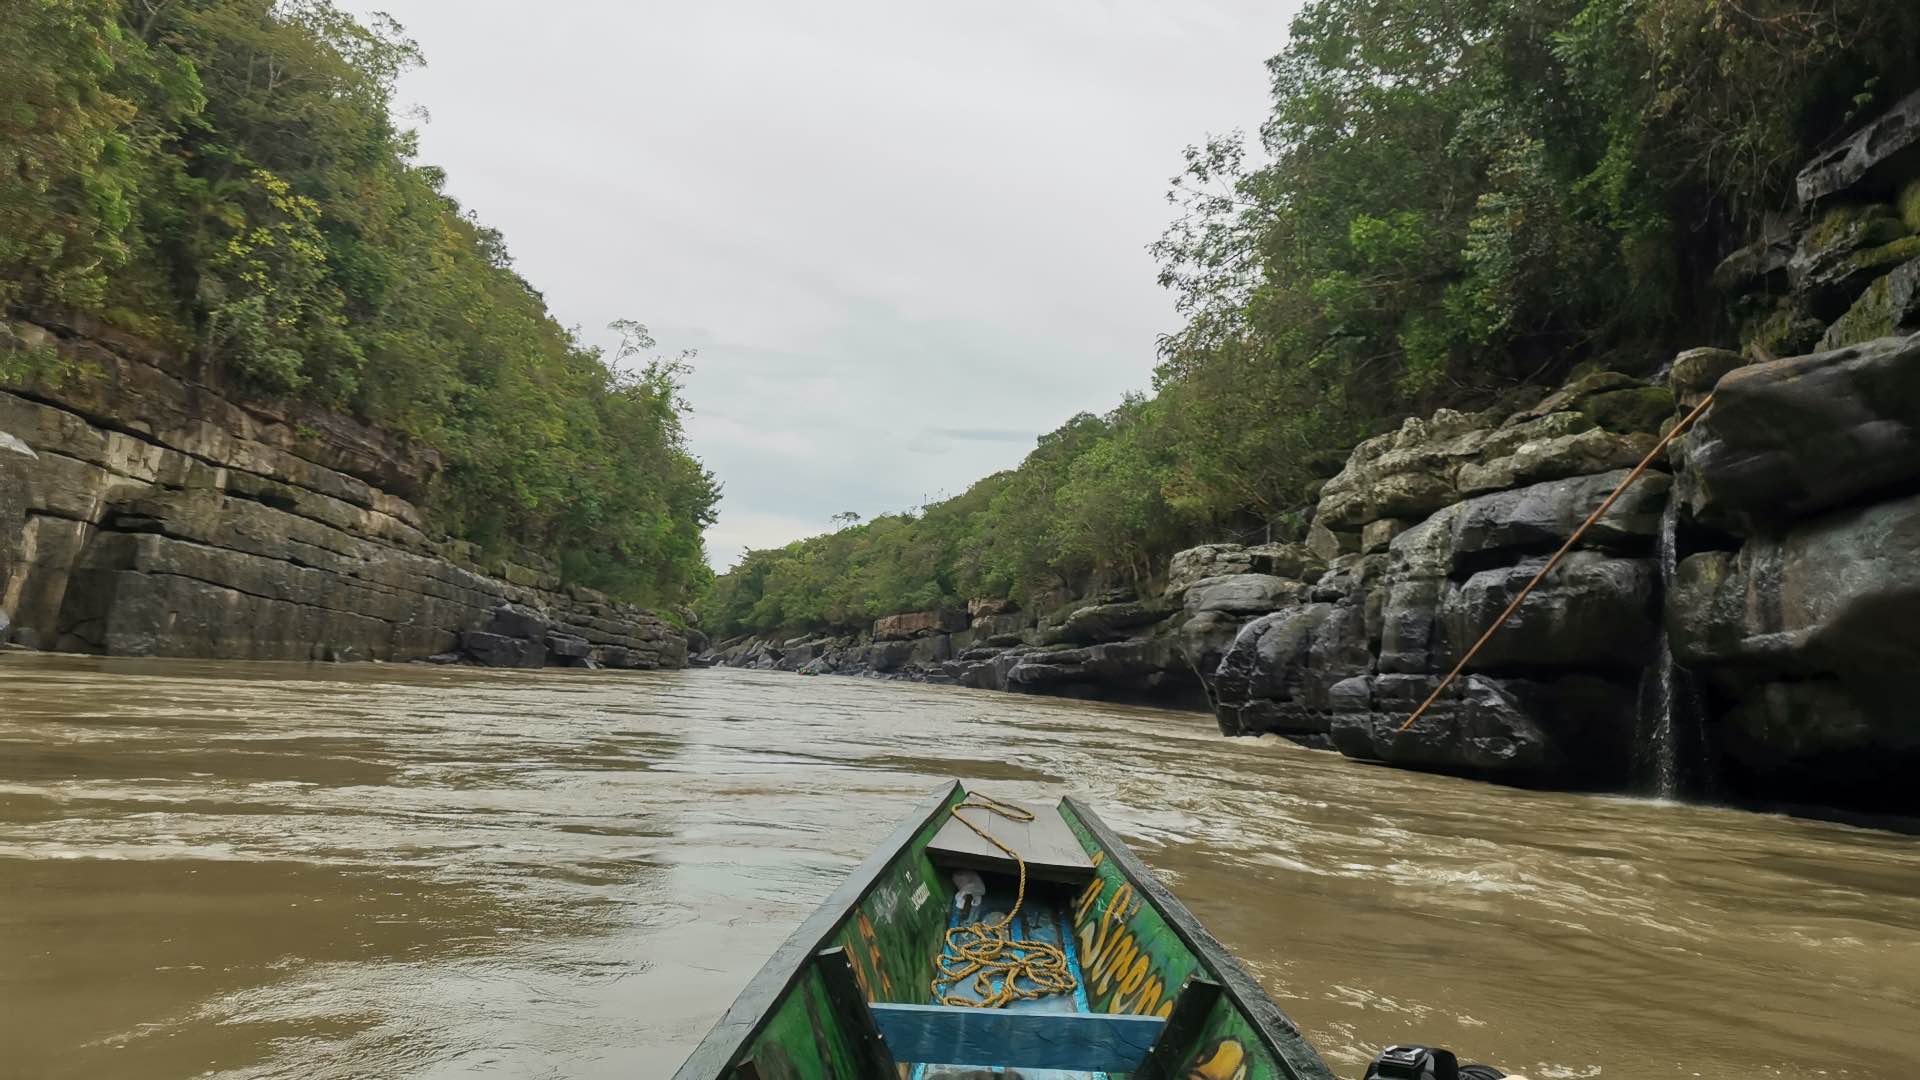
(1029,1040)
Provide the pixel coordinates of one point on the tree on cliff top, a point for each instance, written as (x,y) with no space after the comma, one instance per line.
(225,177)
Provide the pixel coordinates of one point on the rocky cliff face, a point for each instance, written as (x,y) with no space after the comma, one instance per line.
(1751,605)
(1769,566)
(147,512)
(1804,484)
(1470,507)
(1775,559)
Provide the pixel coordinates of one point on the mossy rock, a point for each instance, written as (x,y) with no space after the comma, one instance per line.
(1853,227)
(1844,249)
(1696,371)
(1886,256)
(1787,331)
(1909,206)
(1632,410)
(1890,306)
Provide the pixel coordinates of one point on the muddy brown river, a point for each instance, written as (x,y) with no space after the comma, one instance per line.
(363,871)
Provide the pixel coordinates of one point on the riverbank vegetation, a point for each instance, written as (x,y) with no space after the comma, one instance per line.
(1448,200)
(224,177)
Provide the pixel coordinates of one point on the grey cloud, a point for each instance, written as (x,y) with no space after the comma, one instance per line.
(1019,435)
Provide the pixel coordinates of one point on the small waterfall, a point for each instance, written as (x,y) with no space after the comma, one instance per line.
(1669,716)
(1656,758)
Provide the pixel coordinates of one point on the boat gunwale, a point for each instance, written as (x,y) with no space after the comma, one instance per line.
(1275,1028)
(720,1048)
(756,1004)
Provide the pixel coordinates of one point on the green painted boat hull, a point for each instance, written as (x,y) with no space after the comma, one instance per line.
(1137,949)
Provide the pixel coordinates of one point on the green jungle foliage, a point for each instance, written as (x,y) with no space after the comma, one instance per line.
(1455,197)
(223,176)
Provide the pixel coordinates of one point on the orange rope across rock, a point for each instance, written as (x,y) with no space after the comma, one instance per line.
(1685,422)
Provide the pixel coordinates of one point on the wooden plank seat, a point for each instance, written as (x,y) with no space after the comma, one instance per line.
(997,1038)
(1051,850)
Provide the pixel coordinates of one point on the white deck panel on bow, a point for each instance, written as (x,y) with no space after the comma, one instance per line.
(1051,851)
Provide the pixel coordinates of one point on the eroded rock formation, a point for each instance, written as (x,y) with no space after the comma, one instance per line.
(144,512)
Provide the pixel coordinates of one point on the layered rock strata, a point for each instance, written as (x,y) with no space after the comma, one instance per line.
(145,511)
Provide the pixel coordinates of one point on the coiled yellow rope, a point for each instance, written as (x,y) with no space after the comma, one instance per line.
(985,950)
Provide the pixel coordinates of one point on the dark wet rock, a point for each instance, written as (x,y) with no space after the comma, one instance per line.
(1833,595)
(1805,636)
(1574,731)
(1492,530)
(930,651)
(1821,740)
(1593,613)
(1203,639)
(568,647)
(1873,162)
(446,658)
(1147,668)
(1793,437)
(510,620)
(1278,672)
(888,656)
(499,650)
(1410,638)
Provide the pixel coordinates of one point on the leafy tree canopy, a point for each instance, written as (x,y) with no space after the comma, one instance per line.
(224,176)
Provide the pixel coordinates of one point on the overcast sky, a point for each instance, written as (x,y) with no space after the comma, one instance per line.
(905,238)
